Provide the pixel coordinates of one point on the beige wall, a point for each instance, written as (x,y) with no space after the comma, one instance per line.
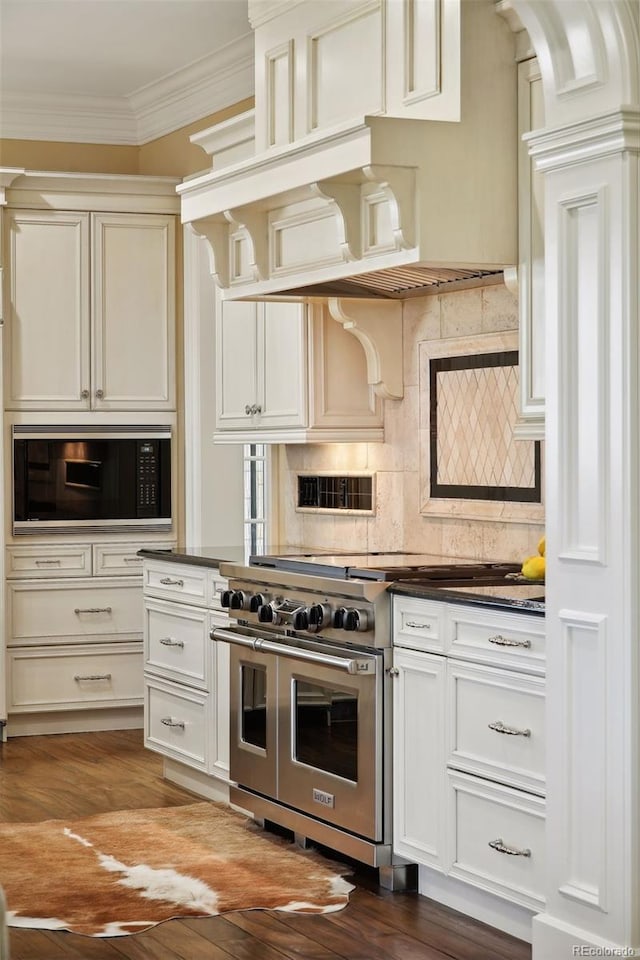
(72,157)
(399,523)
(172,155)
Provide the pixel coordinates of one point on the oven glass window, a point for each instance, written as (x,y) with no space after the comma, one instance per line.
(326,729)
(254,705)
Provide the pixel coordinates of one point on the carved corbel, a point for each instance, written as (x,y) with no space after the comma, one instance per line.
(215,234)
(398,186)
(253,224)
(377,324)
(346,200)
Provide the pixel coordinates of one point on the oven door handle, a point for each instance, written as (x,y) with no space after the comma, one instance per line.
(358,666)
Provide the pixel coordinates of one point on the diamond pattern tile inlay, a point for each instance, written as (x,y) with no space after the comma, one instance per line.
(477,409)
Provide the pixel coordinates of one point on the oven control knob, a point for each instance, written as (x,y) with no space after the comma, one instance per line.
(257,600)
(238,600)
(266,613)
(225,598)
(356,620)
(300,619)
(339,618)
(319,616)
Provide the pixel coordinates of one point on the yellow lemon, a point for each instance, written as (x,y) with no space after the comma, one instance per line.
(533,568)
(542,546)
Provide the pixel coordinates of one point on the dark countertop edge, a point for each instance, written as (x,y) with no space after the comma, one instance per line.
(212,559)
(428,591)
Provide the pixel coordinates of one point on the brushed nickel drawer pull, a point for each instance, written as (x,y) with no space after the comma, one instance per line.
(170,642)
(170,722)
(416,625)
(248,409)
(501,847)
(99,394)
(168,582)
(499,727)
(79,610)
(42,563)
(133,559)
(92,676)
(505,642)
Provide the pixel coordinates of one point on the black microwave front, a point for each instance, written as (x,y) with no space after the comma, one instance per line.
(68,479)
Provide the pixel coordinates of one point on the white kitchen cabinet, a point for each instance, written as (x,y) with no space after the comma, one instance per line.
(419,750)
(90,310)
(260,357)
(468,746)
(186,712)
(289,373)
(531,285)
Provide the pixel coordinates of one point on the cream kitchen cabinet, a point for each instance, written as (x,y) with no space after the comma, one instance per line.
(74,637)
(186,680)
(89,310)
(288,373)
(469,778)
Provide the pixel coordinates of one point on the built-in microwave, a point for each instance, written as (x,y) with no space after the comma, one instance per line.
(100,478)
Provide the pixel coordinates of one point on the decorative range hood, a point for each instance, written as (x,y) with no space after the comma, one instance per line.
(387,170)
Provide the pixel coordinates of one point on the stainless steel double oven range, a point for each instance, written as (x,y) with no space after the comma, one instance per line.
(311,693)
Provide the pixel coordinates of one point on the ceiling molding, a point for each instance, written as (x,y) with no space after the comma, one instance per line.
(67,118)
(202,88)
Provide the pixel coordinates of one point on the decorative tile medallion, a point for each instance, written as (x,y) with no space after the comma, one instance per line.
(471,463)
(474,408)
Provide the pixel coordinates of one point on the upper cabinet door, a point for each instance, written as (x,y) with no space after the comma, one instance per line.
(236,365)
(133,342)
(47,310)
(282,366)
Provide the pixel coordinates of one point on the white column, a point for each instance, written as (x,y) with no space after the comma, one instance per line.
(593,533)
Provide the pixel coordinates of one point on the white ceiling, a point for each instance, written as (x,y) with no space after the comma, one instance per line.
(116,62)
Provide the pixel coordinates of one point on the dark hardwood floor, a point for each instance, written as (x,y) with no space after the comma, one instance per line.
(82,774)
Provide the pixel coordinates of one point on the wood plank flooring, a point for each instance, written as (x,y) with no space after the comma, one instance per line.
(82,774)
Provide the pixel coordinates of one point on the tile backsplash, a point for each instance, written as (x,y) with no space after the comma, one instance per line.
(399,522)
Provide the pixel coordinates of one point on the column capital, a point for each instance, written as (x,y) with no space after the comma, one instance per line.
(602,136)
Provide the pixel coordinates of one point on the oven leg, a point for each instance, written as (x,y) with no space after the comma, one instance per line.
(259,822)
(399,877)
(301,841)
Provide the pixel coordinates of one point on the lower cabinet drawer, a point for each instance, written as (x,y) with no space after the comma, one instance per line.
(43,560)
(76,609)
(120,559)
(176,642)
(496,839)
(496,725)
(176,722)
(72,678)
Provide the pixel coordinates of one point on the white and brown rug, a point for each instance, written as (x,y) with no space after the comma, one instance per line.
(120,873)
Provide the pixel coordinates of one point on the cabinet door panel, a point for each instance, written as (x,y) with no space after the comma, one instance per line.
(134,311)
(47,310)
(236,343)
(281,366)
(419,758)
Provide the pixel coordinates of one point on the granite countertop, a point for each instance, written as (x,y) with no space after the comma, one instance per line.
(199,556)
(514,597)
(214,556)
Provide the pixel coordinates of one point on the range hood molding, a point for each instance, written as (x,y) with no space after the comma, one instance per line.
(377,325)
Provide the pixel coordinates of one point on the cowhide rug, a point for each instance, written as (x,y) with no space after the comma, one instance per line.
(120,873)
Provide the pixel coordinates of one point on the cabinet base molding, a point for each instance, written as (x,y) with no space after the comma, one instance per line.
(199,783)
(555,940)
(508,917)
(74,721)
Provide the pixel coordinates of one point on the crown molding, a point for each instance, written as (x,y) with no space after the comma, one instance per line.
(67,118)
(261,11)
(204,87)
